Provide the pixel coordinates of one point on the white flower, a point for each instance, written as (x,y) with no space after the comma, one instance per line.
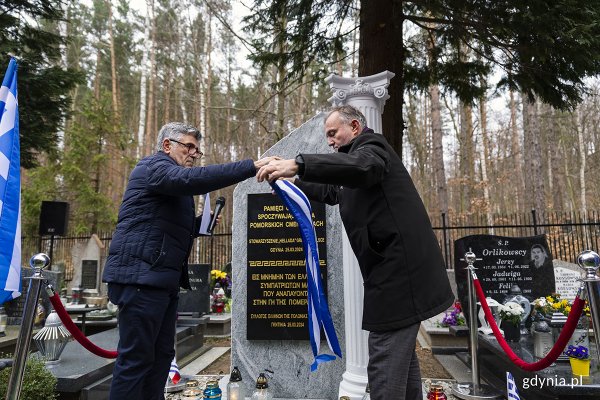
(512,308)
(541,302)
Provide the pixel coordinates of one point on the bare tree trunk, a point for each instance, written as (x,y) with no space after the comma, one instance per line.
(519,186)
(209,141)
(534,178)
(150,136)
(281,81)
(582,161)
(116,165)
(437,136)
(467,158)
(485,159)
(144,71)
(383,19)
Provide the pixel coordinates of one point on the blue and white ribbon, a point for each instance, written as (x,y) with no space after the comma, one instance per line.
(318,310)
(511,387)
(10,188)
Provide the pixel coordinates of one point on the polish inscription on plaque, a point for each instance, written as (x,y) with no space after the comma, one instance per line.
(506,261)
(197,299)
(276,274)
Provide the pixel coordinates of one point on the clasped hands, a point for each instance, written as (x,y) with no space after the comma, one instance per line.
(273,168)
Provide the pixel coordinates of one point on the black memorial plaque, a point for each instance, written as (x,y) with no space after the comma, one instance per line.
(89,274)
(277,297)
(505,261)
(196,300)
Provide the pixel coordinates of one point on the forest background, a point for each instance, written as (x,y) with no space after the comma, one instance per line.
(494,107)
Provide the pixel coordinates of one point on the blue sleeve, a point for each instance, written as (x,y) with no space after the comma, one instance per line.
(166,177)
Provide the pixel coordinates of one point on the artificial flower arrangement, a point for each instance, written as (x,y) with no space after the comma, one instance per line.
(220,282)
(453,316)
(220,277)
(553,303)
(511,312)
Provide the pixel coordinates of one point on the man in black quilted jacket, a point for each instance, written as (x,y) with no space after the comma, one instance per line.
(405,280)
(147,261)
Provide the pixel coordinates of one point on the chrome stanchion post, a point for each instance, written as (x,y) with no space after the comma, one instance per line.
(589,261)
(473,390)
(38,262)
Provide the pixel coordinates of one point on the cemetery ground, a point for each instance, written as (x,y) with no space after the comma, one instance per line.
(430,366)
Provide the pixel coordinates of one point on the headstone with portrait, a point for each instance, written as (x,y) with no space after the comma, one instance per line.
(506,262)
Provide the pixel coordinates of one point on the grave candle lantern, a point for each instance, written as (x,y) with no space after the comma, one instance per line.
(235,388)
(52,338)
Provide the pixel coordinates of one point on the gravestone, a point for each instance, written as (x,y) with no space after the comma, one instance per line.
(14,308)
(568,279)
(196,300)
(86,261)
(286,362)
(506,261)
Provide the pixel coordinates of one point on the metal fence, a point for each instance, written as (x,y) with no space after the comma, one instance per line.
(568,233)
(214,250)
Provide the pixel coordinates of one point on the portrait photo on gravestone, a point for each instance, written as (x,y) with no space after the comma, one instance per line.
(509,267)
(276,274)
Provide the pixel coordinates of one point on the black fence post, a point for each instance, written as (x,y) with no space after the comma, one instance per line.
(212,250)
(444,235)
(534,215)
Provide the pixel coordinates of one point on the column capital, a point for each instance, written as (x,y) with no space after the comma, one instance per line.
(370,89)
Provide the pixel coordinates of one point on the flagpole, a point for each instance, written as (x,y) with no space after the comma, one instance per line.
(38,262)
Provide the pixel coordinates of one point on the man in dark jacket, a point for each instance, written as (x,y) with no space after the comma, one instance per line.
(147,260)
(405,280)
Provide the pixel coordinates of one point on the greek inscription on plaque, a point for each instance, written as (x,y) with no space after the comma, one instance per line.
(277,296)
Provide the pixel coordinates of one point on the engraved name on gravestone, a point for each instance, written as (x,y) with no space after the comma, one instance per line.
(197,300)
(276,274)
(568,279)
(506,261)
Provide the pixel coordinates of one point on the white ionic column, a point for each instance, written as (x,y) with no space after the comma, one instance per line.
(368,94)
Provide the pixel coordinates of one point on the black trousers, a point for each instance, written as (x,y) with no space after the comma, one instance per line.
(393,368)
(147,318)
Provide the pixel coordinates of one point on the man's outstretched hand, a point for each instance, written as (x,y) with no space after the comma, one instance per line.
(276,169)
(258,164)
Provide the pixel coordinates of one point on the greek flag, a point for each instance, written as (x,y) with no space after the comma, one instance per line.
(174,374)
(318,310)
(10,188)
(511,387)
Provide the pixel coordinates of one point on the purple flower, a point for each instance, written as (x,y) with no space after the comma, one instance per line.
(580,352)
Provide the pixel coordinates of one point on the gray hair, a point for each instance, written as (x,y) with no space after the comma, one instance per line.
(347,114)
(176,131)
